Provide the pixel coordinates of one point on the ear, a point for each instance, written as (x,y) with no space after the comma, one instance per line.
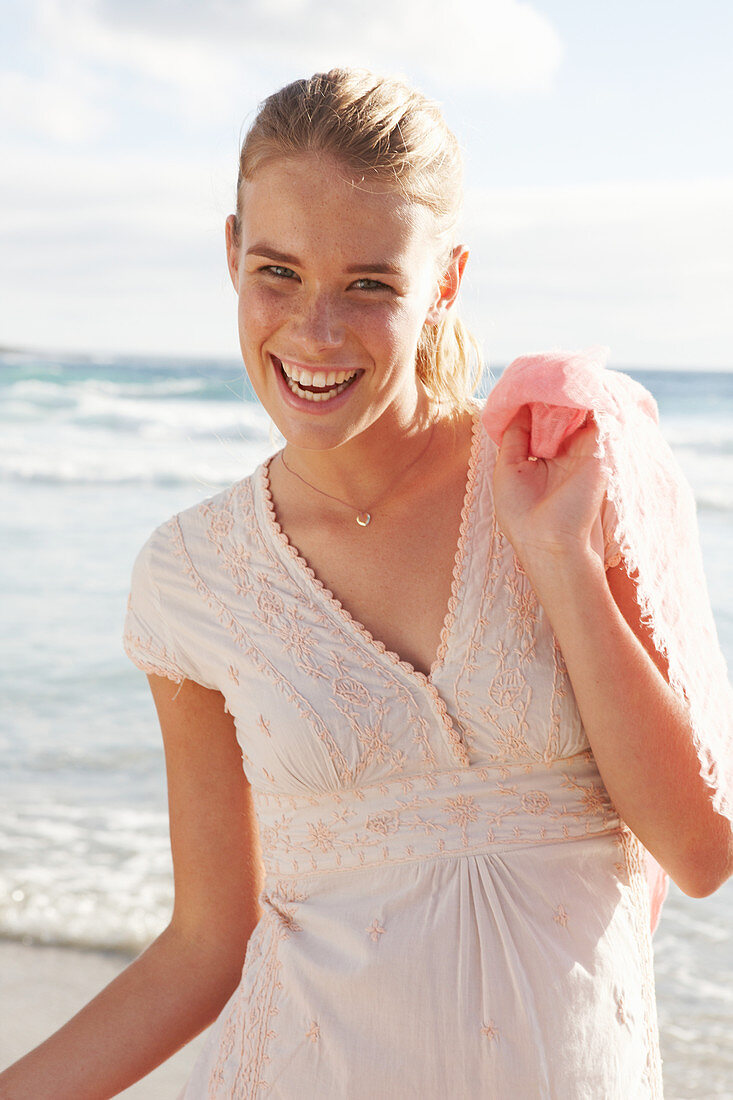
(449,285)
(232,245)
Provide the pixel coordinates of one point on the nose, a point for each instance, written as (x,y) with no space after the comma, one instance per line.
(317,323)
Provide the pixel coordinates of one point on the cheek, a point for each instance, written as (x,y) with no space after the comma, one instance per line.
(401,328)
(260,312)
(398,325)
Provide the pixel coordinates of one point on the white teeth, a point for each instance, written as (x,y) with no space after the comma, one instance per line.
(308,395)
(315,378)
(337,381)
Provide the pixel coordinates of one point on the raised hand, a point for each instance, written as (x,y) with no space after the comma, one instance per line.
(549,507)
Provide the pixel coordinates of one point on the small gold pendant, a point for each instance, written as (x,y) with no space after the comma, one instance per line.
(363,519)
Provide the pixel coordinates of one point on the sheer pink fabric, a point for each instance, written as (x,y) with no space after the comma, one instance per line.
(656,531)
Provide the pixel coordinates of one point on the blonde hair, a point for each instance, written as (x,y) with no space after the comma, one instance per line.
(382,129)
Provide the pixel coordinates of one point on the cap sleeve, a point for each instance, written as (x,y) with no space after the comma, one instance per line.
(148,637)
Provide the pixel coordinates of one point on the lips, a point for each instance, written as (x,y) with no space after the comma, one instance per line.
(315,386)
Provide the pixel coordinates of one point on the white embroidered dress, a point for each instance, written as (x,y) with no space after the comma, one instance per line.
(452,907)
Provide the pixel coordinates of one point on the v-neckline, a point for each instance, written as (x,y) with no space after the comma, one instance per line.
(291,553)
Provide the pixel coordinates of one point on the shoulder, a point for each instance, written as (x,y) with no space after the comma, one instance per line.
(195,531)
(168,614)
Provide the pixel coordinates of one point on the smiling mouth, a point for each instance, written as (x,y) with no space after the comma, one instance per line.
(314,385)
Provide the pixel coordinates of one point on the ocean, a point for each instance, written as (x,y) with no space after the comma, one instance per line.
(95,453)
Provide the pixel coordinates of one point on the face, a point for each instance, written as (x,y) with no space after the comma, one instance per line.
(335,283)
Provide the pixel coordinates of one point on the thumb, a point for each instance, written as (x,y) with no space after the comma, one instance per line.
(515,441)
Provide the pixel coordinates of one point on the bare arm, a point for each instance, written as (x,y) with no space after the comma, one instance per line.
(637,727)
(179,985)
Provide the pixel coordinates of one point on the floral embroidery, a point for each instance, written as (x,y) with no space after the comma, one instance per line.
(243,1052)
(384,823)
(321,836)
(507,705)
(492,806)
(593,796)
(220,523)
(346,687)
(269,604)
(150,655)
(522,611)
(375,930)
(375,741)
(314,1032)
(561,916)
(461,811)
(535,802)
(552,748)
(299,640)
(490,592)
(633,854)
(512,743)
(283,900)
(506,687)
(490,1031)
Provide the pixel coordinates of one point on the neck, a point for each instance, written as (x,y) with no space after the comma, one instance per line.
(361,469)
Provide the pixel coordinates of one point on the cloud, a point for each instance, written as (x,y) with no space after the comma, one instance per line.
(96,68)
(206,51)
(60,105)
(501,44)
(644,267)
(106,212)
(121,252)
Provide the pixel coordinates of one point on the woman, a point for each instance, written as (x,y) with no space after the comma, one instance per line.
(429,659)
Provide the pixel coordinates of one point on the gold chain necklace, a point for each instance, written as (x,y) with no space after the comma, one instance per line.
(363,517)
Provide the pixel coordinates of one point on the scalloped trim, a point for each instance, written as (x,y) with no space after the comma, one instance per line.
(466,515)
(454,739)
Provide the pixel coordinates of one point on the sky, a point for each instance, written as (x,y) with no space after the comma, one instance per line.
(599,165)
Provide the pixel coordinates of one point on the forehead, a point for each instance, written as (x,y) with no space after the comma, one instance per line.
(310,202)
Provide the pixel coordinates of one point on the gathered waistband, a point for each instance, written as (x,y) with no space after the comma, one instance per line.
(481,808)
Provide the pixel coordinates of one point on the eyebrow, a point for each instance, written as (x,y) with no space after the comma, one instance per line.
(380,267)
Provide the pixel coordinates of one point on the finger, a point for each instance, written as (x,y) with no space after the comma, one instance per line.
(583,440)
(516,438)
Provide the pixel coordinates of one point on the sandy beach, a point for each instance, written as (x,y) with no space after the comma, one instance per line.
(41,987)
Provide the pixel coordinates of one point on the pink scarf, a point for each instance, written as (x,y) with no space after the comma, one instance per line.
(656,530)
